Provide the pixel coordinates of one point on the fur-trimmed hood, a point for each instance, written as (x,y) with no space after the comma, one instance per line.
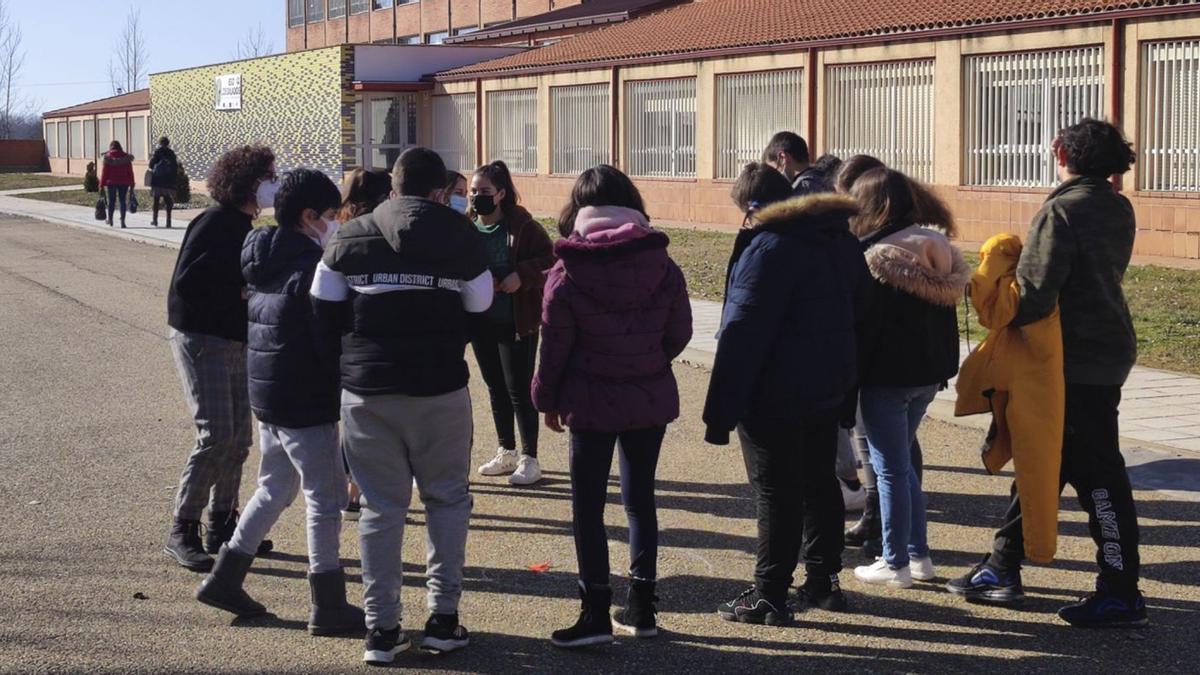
(821,215)
(920,262)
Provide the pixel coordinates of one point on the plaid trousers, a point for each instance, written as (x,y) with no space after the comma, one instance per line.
(213,373)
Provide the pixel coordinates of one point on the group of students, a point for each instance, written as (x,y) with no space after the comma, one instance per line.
(838,329)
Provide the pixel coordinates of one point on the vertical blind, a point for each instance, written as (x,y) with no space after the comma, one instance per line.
(76,140)
(579,127)
(137,138)
(454,130)
(512,129)
(89,138)
(1170,116)
(752,107)
(884,110)
(660,133)
(1014,106)
(51,136)
(103,135)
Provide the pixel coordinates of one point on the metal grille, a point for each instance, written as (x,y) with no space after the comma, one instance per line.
(512,129)
(752,107)
(316,11)
(454,130)
(660,135)
(1014,106)
(337,9)
(1170,116)
(884,110)
(579,128)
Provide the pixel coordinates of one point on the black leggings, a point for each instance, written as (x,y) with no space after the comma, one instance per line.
(507,367)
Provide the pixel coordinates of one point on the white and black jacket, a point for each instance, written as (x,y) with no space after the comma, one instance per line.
(397,285)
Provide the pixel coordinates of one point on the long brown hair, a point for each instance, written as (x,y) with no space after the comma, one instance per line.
(852,169)
(889,198)
(362,192)
(601,185)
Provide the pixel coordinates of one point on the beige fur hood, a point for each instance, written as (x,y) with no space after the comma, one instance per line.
(921,262)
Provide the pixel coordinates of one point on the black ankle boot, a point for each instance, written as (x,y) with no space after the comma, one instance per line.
(593,626)
(870,526)
(331,614)
(638,617)
(221,525)
(223,587)
(183,545)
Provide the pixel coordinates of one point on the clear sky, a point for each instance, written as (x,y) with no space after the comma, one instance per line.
(68,42)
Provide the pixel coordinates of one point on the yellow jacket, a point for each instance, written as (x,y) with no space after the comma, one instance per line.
(1017,375)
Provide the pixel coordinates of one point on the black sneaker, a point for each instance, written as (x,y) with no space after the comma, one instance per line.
(752,607)
(986,584)
(1103,609)
(443,633)
(823,593)
(383,645)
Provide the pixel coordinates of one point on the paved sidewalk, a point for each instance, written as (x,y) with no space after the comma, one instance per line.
(138,226)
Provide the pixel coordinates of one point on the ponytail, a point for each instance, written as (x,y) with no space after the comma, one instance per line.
(498,175)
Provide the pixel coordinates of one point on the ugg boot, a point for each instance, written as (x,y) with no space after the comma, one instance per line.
(637,619)
(183,545)
(221,526)
(331,614)
(593,626)
(868,531)
(223,587)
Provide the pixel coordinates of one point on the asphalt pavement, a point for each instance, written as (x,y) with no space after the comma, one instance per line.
(94,431)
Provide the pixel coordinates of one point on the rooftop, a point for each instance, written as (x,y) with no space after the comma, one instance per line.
(708,25)
(134,100)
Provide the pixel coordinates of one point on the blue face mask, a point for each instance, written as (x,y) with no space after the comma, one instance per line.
(458,203)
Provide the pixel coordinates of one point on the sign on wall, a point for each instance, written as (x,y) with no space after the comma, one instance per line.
(229,91)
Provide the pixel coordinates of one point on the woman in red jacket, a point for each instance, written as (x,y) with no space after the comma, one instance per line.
(116,174)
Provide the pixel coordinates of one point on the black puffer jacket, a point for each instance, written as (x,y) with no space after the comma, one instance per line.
(293,375)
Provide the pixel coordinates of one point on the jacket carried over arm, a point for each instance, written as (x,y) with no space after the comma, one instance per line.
(1017,375)
(205,295)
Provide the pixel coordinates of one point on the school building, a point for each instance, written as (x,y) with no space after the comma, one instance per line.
(964,95)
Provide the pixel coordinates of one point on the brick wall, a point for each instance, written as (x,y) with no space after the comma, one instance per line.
(23,155)
(493,11)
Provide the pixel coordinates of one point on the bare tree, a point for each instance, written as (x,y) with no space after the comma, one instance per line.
(14,109)
(128,65)
(254,44)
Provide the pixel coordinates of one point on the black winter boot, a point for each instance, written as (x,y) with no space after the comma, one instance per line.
(183,545)
(221,525)
(868,531)
(331,614)
(593,627)
(637,619)
(223,587)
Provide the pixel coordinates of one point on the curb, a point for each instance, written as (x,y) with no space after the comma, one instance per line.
(111,232)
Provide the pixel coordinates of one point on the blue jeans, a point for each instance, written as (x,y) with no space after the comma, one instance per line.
(891,416)
(116,192)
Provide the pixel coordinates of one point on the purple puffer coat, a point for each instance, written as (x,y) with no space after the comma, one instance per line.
(614,315)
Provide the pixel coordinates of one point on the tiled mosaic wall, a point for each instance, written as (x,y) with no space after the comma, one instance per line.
(291,102)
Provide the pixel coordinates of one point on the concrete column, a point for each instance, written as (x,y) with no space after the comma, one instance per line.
(947,117)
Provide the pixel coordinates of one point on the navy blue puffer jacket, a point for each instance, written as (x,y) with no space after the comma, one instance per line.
(293,373)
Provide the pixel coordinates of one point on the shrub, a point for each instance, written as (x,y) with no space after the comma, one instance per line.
(90,182)
(183,186)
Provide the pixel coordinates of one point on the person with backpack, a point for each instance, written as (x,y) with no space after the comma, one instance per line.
(164,175)
(614,316)
(399,286)
(294,391)
(116,177)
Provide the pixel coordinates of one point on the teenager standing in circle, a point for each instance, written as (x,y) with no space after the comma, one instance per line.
(505,338)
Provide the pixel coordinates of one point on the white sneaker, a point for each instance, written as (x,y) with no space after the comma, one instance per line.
(879,573)
(922,568)
(504,462)
(528,471)
(856,500)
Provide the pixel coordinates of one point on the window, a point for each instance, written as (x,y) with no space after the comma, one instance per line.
(392,125)
(118,129)
(358,122)
(89,138)
(884,110)
(51,136)
(76,140)
(512,129)
(337,9)
(63,145)
(1170,117)
(1015,105)
(436,38)
(103,135)
(466,31)
(384,41)
(660,139)
(579,127)
(295,13)
(408,40)
(382,4)
(137,137)
(454,130)
(316,11)
(752,107)
(359,6)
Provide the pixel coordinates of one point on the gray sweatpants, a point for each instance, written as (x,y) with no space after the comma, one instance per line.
(295,459)
(390,440)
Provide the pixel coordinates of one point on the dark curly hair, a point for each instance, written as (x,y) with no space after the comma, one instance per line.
(1096,148)
(235,177)
(303,189)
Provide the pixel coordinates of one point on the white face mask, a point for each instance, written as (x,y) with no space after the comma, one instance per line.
(458,203)
(265,194)
(331,226)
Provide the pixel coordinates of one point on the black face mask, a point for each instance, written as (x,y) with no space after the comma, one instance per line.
(484,205)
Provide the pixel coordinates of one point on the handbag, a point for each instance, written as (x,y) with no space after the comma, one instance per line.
(148,179)
(132,201)
(101,209)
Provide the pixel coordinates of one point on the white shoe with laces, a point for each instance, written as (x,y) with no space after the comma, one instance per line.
(504,462)
(880,574)
(528,471)
(922,568)
(855,500)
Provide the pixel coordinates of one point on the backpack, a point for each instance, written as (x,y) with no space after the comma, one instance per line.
(164,171)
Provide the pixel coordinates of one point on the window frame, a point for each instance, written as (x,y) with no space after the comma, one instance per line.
(359,7)
(296,20)
(601,155)
(329,10)
(507,154)
(724,168)
(1176,139)
(678,155)
(311,16)
(459,102)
